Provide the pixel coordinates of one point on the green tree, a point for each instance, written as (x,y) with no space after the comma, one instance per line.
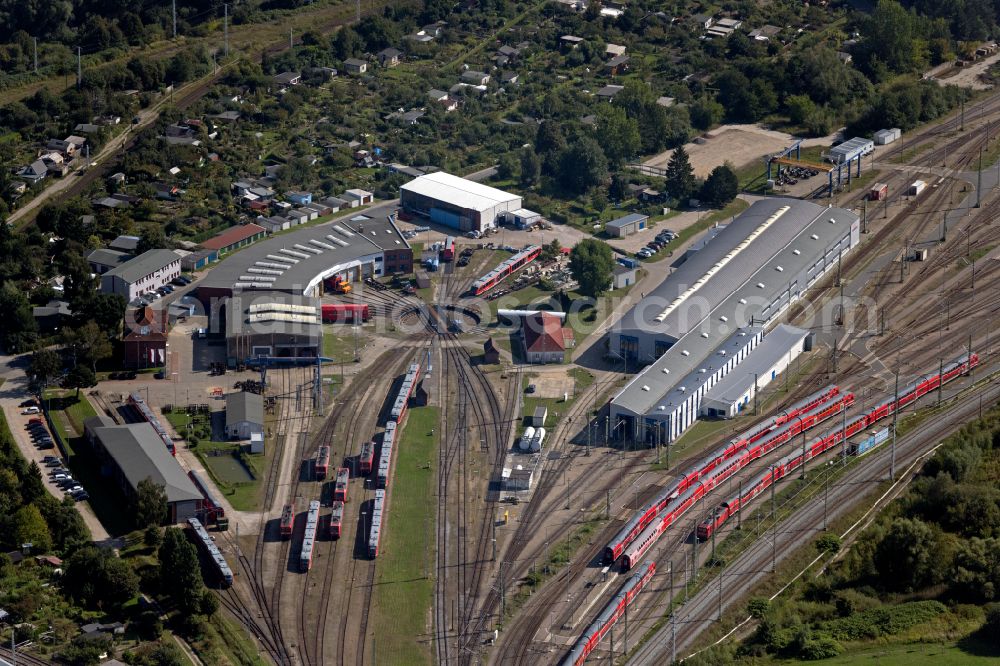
(828,543)
(153,536)
(150,504)
(551,250)
(97,578)
(79,377)
(975,574)
(592,262)
(151,238)
(88,343)
(888,37)
(32,487)
(582,166)
(800,108)
(347,43)
(45,364)
(618,190)
(108,312)
(180,574)
(991,627)
(720,187)
(908,557)
(531,168)
(30,527)
(706,113)
(18,329)
(758,607)
(507,167)
(619,134)
(680,175)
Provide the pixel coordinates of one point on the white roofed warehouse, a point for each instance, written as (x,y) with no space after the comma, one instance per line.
(456,202)
(688,329)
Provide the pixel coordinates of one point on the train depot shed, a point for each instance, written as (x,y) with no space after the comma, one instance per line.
(133,452)
(734,392)
(456,202)
(270,324)
(687,330)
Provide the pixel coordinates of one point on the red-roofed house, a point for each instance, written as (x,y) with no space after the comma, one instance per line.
(234,238)
(545,339)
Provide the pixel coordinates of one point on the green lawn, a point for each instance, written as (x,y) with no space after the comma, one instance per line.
(913,655)
(228,473)
(339,341)
(404,589)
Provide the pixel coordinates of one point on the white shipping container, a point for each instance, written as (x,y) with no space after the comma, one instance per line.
(917,187)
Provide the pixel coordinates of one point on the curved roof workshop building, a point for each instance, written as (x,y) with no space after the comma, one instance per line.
(710,313)
(297,262)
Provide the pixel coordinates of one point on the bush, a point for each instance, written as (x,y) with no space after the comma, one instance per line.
(820,648)
(885,620)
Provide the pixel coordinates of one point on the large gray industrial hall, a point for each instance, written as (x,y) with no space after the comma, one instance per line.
(703,320)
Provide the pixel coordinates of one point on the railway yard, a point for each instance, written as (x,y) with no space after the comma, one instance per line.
(548,580)
(641,537)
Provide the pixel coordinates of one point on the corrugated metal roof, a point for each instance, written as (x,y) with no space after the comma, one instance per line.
(350,241)
(626,220)
(457,191)
(139,453)
(765,356)
(145,264)
(744,288)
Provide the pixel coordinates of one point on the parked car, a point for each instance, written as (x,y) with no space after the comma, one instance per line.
(530,389)
(31,410)
(80,496)
(28,403)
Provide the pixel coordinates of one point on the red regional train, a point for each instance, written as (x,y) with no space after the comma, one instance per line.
(340,485)
(322,462)
(680,501)
(609,615)
(350,313)
(336,520)
(506,267)
(287,521)
(365,458)
(776,430)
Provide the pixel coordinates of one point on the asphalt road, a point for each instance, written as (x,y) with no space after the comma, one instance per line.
(742,575)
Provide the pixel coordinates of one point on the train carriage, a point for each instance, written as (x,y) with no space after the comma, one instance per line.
(340,485)
(322,466)
(309,537)
(347,313)
(287,522)
(505,269)
(365,458)
(212,508)
(385,455)
(611,613)
(219,565)
(377,524)
(336,520)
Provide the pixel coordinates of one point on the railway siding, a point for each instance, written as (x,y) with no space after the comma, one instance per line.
(404,581)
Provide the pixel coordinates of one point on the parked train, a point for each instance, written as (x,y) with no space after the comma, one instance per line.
(402,400)
(219,564)
(309,537)
(685,493)
(322,466)
(287,523)
(385,455)
(378,515)
(336,520)
(773,432)
(348,313)
(609,616)
(783,467)
(136,401)
(340,485)
(506,268)
(212,511)
(365,458)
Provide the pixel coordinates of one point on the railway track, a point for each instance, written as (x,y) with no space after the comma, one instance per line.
(699,614)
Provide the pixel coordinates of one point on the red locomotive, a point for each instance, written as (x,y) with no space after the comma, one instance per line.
(340,485)
(336,518)
(349,313)
(365,458)
(322,462)
(287,521)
